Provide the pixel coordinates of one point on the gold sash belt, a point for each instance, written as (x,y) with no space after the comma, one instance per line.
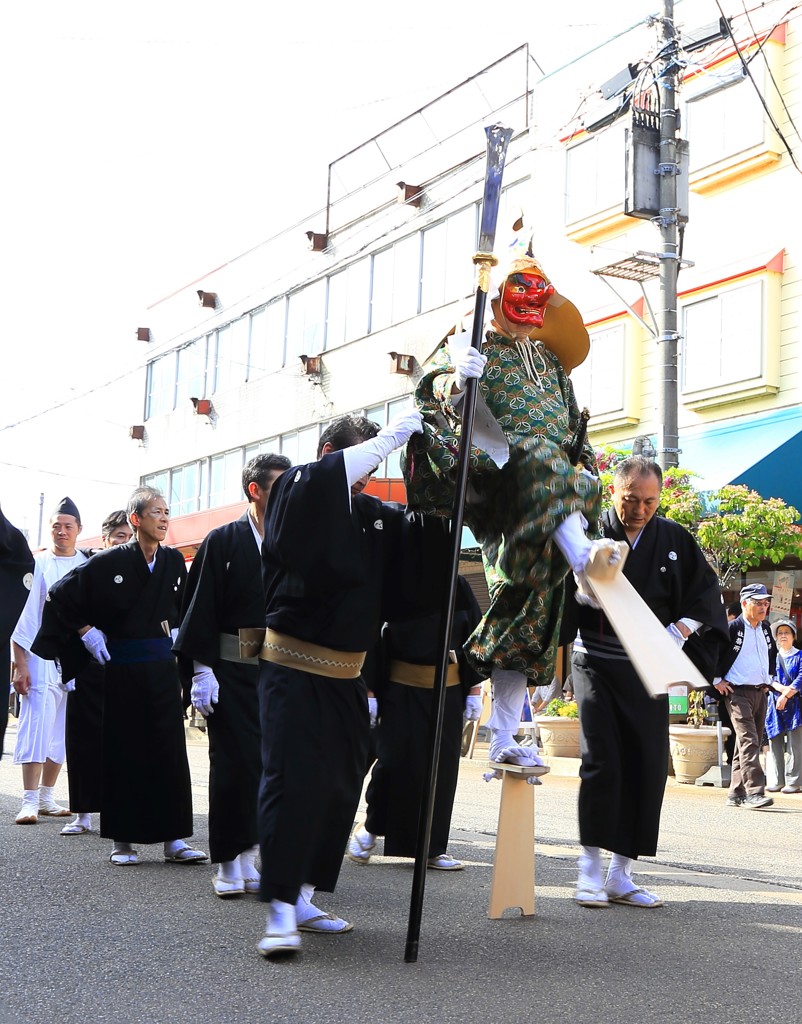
(421,675)
(243,648)
(281,649)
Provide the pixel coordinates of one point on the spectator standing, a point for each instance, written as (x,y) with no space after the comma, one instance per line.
(784,714)
(40,747)
(745,674)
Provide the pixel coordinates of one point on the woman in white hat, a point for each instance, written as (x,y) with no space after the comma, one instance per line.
(784,714)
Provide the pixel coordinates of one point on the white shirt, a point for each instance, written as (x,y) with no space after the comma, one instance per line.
(751,666)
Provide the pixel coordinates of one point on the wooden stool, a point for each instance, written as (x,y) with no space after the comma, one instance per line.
(513,881)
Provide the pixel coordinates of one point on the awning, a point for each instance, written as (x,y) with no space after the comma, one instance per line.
(762,452)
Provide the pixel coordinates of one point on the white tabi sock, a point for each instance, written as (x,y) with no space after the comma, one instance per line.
(619,875)
(281,918)
(570,538)
(85,820)
(229,870)
(590,868)
(509,694)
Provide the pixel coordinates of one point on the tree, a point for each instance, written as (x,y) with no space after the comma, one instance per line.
(736,528)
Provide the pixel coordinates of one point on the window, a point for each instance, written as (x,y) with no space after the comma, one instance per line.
(270,446)
(225,484)
(184,489)
(348,304)
(599,382)
(306,317)
(723,123)
(594,175)
(191,372)
(381,291)
(158,481)
(723,338)
(232,354)
(447,264)
(267,339)
(161,385)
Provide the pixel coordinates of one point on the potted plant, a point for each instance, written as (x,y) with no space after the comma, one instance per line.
(694,747)
(558,726)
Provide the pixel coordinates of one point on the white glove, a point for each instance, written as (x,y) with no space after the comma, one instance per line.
(584,595)
(174,634)
(468,363)
(361,459)
(473,707)
(95,642)
(67,687)
(205,690)
(675,635)
(373,710)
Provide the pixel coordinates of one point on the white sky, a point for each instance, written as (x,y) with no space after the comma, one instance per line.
(145,144)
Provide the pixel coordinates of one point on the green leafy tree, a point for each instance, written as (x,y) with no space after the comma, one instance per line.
(736,528)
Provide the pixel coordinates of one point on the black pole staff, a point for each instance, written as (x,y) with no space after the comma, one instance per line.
(498,138)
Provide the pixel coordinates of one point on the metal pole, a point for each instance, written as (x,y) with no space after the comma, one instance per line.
(668,440)
(498,138)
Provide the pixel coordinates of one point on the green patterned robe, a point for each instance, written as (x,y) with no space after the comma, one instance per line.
(512,511)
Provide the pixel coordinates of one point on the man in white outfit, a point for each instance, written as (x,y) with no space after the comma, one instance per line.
(43,694)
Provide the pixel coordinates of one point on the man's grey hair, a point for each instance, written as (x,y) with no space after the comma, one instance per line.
(636,466)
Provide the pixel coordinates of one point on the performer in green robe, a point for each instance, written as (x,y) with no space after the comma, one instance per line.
(528,504)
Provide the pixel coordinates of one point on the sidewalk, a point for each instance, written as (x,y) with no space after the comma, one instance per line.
(86,942)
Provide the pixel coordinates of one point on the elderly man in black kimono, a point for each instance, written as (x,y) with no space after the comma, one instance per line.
(224,595)
(624,731)
(335,562)
(123,604)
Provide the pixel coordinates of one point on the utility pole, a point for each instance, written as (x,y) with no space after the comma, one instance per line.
(668,169)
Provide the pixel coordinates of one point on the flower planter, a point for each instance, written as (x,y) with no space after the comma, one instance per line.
(559,737)
(693,751)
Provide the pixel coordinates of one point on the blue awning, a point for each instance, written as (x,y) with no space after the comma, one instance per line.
(762,452)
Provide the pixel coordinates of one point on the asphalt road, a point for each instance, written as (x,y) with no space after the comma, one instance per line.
(86,942)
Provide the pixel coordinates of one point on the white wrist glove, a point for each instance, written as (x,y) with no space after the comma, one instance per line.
(675,635)
(67,687)
(468,363)
(174,634)
(95,642)
(473,707)
(205,690)
(361,459)
(373,710)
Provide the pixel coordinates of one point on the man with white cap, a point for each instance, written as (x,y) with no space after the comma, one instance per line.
(745,672)
(43,697)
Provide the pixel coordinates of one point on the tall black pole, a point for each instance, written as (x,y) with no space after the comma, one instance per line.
(498,138)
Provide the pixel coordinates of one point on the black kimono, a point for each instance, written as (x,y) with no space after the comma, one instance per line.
(224,594)
(16,572)
(395,790)
(624,731)
(334,570)
(146,794)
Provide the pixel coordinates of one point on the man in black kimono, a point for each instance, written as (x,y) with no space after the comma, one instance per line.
(16,575)
(123,604)
(84,720)
(404,672)
(334,564)
(224,596)
(624,738)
